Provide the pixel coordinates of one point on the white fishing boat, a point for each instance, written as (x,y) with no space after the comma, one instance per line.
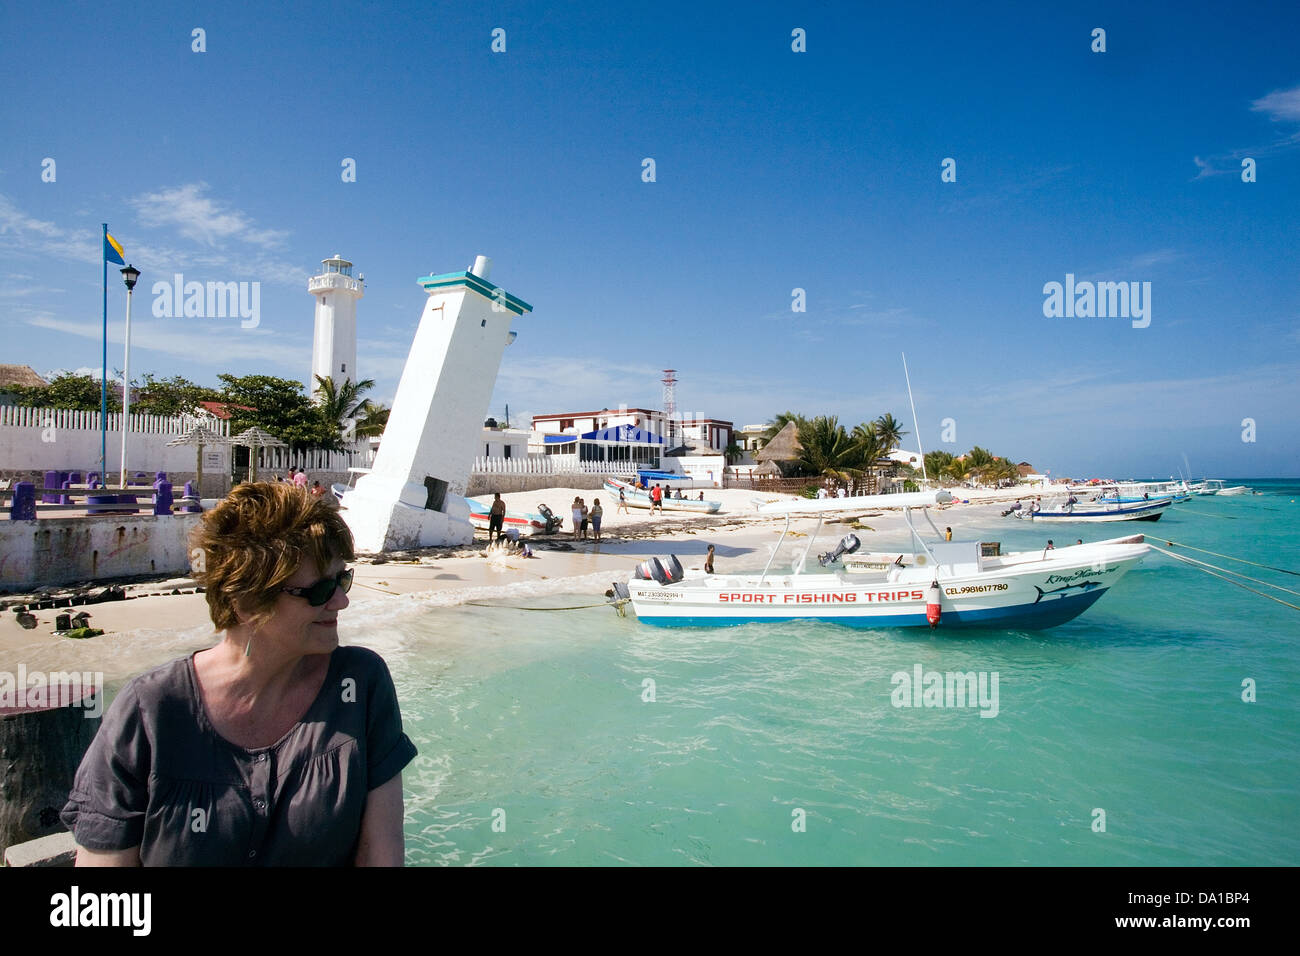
(1102,509)
(939,584)
(638,498)
(1234,490)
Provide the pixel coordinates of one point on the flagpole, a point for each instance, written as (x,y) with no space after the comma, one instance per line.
(103,382)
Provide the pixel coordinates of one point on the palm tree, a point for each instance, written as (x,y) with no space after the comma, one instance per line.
(342,404)
(373,420)
(978,461)
(890,431)
(733,453)
(871,445)
(828,450)
(938,464)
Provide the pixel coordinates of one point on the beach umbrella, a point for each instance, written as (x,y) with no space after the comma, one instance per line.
(256,438)
(199,436)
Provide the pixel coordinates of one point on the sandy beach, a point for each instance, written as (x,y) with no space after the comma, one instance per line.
(152,618)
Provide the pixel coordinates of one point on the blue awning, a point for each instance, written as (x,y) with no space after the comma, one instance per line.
(622,434)
(625,433)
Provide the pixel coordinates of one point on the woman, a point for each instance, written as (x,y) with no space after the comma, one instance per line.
(576,510)
(597,512)
(276,747)
(584,513)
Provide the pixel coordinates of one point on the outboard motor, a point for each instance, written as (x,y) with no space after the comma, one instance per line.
(552,522)
(650,570)
(666,570)
(848,544)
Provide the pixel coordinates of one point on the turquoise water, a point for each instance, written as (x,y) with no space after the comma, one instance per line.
(537,747)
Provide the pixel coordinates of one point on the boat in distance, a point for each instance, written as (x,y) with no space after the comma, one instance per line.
(637,498)
(939,584)
(1094,511)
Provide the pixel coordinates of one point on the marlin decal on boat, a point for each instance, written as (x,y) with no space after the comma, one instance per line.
(1070,590)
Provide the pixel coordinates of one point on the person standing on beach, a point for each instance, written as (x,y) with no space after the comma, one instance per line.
(584,514)
(597,512)
(576,510)
(622,504)
(496,517)
(708,561)
(947,534)
(656,499)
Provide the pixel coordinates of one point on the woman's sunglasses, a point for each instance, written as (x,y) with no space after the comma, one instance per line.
(320,592)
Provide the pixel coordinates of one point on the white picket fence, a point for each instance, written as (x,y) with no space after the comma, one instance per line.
(66,419)
(546,465)
(312,460)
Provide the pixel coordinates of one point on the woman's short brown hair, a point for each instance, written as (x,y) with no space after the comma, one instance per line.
(246,547)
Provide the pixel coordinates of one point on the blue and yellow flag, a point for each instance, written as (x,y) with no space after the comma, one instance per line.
(113,250)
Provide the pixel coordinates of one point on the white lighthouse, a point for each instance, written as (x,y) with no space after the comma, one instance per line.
(334,345)
(412,496)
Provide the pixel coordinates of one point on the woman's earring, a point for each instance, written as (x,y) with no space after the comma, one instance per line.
(248,646)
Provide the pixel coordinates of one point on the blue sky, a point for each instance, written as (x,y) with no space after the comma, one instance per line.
(775,170)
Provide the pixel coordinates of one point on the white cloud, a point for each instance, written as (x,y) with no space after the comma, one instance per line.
(1281,105)
(213,345)
(201,218)
(25,234)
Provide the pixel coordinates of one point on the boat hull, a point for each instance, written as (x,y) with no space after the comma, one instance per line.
(1145,512)
(1029,593)
(525,523)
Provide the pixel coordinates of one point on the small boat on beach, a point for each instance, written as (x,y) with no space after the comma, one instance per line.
(526,522)
(637,498)
(939,584)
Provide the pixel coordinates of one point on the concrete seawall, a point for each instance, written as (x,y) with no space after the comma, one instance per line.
(70,550)
(487,484)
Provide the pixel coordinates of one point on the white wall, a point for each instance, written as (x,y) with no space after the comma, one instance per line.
(66,550)
(703,468)
(57,439)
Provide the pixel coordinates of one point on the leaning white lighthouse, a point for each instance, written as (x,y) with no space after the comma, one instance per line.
(334,345)
(412,496)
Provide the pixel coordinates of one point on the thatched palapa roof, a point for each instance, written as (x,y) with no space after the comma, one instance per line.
(20,376)
(784,446)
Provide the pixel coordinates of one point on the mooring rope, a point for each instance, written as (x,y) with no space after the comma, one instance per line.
(616,604)
(1266,567)
(1216,573)
(1238,574)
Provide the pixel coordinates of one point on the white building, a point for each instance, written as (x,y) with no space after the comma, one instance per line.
(504,442)
(334,344)
(711,433)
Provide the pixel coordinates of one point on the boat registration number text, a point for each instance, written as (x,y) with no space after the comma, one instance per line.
(819,597)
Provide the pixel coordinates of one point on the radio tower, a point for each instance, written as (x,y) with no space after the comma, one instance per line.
(670,403)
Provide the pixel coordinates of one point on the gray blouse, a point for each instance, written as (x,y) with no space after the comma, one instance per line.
(158,775)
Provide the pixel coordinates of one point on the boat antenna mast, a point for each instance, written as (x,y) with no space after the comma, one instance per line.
(915,424)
